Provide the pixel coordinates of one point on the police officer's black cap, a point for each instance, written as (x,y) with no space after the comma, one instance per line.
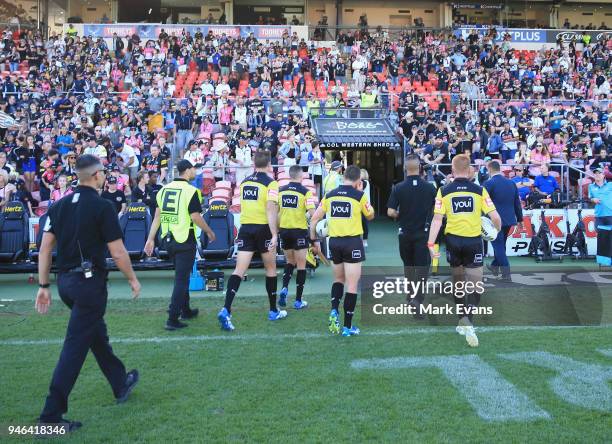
(184,165)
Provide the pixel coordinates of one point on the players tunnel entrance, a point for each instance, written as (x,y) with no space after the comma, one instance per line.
(369,143)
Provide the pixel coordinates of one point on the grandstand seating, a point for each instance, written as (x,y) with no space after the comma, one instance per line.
(135,225)
(221,221)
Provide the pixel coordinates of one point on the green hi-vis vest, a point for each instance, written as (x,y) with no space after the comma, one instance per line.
(173,202)
(368,100)
(313,107)
(330,106)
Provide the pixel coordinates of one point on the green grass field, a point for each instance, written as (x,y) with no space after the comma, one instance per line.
(293,382)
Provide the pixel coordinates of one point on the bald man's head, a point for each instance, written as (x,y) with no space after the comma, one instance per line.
(412,165)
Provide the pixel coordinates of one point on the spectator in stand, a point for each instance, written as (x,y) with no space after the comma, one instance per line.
(115,196)
(522,181)
(544,183)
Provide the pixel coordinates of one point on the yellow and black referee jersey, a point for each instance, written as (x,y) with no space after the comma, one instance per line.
(344,206)
(256,191)
(294,201)
(463,202)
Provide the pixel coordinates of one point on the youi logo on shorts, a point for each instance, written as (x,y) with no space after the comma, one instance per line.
(250,192)
(340,209)
(289,201)
(462,204)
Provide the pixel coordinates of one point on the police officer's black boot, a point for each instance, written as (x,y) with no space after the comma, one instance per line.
(174,324)
(189,313)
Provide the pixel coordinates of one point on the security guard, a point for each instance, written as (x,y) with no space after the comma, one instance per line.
(295,201)
(343,207)
(83,225)
(258,234)
(463,202)
(411,203)
(334,178)
(179,208)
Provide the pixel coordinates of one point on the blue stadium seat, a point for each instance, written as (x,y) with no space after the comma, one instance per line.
(221,221)
(135,225)
(14,233)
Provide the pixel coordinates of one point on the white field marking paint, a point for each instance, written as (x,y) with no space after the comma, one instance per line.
(607,352)
(490,395)
(579,383)
(304,335)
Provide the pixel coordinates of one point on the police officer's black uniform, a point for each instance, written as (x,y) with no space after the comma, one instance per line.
(414,200)
(83,223)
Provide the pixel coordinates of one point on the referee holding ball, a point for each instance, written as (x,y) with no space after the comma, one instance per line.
(83,225)
(411,204)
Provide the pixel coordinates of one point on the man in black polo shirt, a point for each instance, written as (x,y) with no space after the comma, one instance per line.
(83,225)
(411,203)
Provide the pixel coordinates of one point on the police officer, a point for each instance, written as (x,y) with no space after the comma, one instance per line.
(295,201)
(83,225)
(411,203)
(258,234)
(343,207)
(179,208)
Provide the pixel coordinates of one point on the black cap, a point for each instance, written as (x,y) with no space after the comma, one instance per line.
(112,180)
(184,165)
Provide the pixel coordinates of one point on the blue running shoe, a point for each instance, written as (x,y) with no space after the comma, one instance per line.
(353,331)
(282,297)
(277,315)
(334,322)
(225,319)
(298,305)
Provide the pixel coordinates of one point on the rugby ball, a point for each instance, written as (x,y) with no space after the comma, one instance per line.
(321,230)
(489,232)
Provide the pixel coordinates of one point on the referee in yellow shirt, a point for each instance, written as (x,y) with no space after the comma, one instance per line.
(258,234)
(343,207)
(463,203)
(295,201)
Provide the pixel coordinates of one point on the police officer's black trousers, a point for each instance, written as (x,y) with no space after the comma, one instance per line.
(183,256)
(86,331)
(415,256)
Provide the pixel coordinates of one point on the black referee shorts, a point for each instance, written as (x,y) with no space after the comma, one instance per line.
(294,238)
(464,251)
(346,249)
(254,237)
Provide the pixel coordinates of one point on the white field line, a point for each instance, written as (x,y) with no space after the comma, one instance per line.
(303,335)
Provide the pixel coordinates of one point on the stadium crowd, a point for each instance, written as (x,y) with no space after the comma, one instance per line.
(215,99)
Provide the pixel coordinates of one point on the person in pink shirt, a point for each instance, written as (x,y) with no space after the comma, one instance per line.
(205,130)
(538,157)
(557,150)
(62,189)
(225,114)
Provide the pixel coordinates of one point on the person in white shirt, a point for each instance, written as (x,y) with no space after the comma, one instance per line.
(194,154)
(243,158)
(129,162)
(208,89)
(219,160)
(96,150)
(222,87)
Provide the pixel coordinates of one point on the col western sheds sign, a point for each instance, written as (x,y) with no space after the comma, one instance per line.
(355,133)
